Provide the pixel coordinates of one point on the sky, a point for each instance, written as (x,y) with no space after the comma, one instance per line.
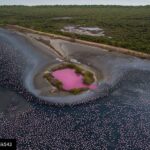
(72,2)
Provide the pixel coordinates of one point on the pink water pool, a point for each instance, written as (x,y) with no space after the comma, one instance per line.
(70,79)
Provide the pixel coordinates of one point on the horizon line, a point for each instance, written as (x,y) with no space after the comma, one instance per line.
(73,5)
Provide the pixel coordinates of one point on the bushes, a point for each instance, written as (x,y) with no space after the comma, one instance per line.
(53,81)
(129,29)
(77,91)
(88,78)
(57,84)
(47,76)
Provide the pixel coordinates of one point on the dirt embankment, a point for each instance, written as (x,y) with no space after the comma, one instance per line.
(104,46)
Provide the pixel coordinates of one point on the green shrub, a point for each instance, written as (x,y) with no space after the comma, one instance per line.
(53,81)
(57,84)
(48,77)
(129,29)
(77,91)
(88,78)
(78,70)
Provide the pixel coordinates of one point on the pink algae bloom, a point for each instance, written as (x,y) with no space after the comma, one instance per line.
(70,79)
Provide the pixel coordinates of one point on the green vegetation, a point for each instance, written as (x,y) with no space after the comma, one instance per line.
(77,69)
(68,65)
(78,91)
(53,81)
(48,77)
(129,27)
(57,84)
(88,78)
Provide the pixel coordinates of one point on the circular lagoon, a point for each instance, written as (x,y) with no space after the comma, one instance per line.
(70,78)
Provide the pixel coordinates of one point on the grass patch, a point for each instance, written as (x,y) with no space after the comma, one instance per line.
(47,76)
(78,91)
(53,81)
(88,78)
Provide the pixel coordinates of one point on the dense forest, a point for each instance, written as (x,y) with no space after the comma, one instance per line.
(129,27)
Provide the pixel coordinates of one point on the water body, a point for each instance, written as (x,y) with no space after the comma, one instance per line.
(70,79)
(119,120)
